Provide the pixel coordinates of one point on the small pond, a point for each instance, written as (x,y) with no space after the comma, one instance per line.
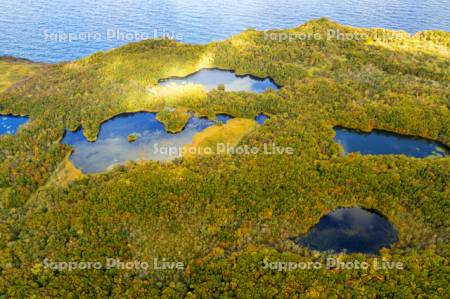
(133,137)
(385,143)
(351,230)
(150,141)
(10,124)
(211,78)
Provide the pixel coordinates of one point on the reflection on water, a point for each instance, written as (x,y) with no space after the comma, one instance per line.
(261,118)
(29,27)
(350,230)
(384,143)
(9,124)
(211,78)
(112,145)
(223,118)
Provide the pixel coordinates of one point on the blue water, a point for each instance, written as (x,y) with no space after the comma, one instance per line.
(112,146)
(211,78)
(351,230)
(261,118)
(223,118)
(384,143)
(10,124)
(29,27)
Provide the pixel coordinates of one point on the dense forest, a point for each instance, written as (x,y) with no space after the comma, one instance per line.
(223,215)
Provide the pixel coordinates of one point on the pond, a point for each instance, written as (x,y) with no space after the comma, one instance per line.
(223,118)
(211,78)
(261,118)
(351,230)
(137,136)
(10,124)
(38,29)
(385,143)
(133,137)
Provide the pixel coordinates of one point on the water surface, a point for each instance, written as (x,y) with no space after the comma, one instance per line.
(385,143)
(112,145)
(211,78)
(261,118)
(27,25)
(351,230)
(10,124)
(148,140)
(223,118)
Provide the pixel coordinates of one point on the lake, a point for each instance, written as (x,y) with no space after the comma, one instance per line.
(211,78)
(40,29)
(385,143)
(351,230)
(10,124)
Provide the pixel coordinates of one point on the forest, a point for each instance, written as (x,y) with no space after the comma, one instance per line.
(223,215)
